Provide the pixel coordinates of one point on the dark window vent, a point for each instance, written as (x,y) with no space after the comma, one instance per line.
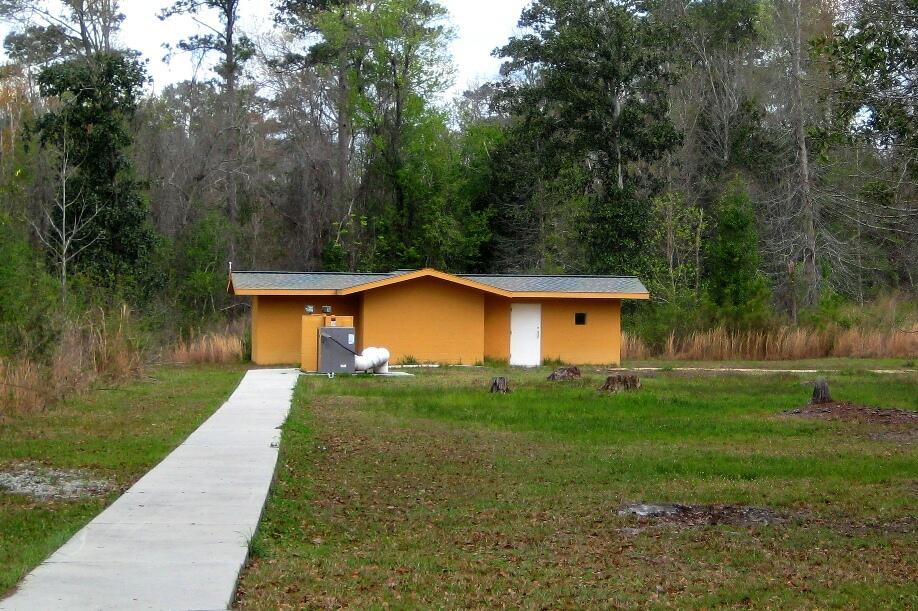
(580,318)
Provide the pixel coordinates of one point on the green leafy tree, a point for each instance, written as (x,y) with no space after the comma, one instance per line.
(677,237)
(876,57)
(335,56)
(435,178)
(736,289)
(37,45)
(92,101)
(200,269)
(590,77)
(387,60)
(872,138)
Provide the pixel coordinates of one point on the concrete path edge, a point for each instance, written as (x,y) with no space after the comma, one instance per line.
(179,537)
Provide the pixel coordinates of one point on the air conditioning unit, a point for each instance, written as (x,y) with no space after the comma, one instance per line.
(337,349)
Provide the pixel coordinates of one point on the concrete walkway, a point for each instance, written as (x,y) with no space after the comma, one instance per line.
(178,538)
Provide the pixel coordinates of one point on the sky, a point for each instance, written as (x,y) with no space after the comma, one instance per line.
(480,26)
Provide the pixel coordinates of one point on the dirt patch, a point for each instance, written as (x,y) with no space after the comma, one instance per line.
(887,424)
(844,410)
(701,515)
(47,483)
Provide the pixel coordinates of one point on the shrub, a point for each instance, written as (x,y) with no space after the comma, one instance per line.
(737,292)
(27,297)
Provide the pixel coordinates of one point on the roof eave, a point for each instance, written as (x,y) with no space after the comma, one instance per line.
(290,292)
(577,295)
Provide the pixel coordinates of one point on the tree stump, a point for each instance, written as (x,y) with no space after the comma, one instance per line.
(621,382)
(565,373)
(500,385)
(821,393)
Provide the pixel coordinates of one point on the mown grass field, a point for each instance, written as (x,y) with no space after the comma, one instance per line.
(114,435)
(429,492)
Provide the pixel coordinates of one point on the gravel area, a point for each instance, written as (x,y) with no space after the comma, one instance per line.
(45,483)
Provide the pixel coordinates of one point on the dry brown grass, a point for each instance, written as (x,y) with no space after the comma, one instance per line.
(20,384)
(98,346)
(633,347)
(208,348)
(782,343)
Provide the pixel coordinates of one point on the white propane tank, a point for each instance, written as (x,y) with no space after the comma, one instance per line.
(374,360)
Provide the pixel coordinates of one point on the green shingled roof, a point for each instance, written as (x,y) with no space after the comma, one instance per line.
(561,284)
(516,283)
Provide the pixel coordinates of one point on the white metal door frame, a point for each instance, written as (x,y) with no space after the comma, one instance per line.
(526,334)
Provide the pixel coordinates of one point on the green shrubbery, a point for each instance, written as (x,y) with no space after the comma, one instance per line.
(27,296)
(736,293)
(710,297)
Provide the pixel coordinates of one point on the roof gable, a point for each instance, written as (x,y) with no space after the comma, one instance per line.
(424,273)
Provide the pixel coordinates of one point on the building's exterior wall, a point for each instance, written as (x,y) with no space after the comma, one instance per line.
(497,328)
(428,319)
(277,323)
(436,321)
(598,341)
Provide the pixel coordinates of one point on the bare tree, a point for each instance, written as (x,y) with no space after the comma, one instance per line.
(234,50)
(68,221)
(85,25)
(802,184)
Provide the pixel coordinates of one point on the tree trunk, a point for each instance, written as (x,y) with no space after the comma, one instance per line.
(803,191)
(698,252)
(616,113)
(232,149)
(821,393)
(565,373)
(344,132)
(621,382)
(500,385)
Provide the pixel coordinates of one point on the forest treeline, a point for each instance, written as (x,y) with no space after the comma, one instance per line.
(754,161)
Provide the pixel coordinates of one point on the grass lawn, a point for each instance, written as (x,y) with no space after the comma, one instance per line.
(430,492)
(114,435)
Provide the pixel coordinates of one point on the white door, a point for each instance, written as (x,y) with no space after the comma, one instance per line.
(526,334)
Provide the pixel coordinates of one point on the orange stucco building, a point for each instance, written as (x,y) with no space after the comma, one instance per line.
(433,317)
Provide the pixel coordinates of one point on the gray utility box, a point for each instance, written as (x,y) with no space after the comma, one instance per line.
(337,348)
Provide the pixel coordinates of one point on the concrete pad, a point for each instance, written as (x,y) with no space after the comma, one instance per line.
(178,538)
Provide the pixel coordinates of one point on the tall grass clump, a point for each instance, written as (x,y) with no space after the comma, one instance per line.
(94,347)
(208,348)
(20,387)
(886,327)
(778,343)
(633,347)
